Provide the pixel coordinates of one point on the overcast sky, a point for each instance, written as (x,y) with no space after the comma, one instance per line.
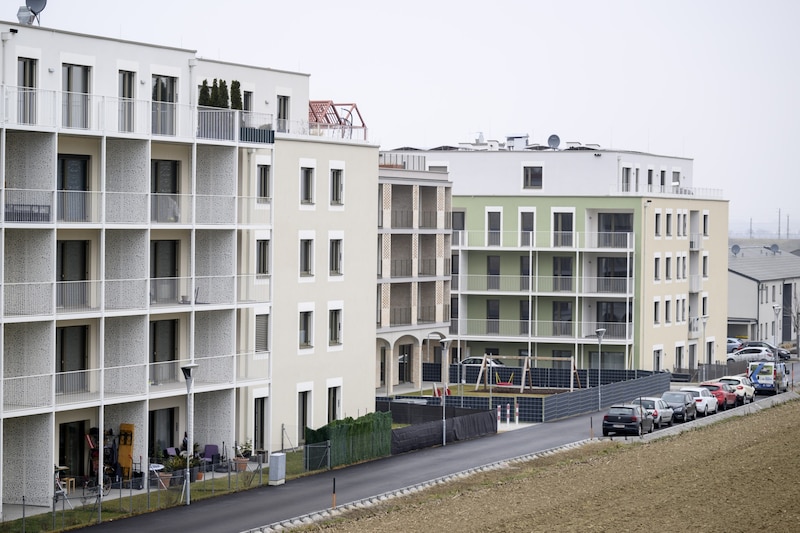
(714,80)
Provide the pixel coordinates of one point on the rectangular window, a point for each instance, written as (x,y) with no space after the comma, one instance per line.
(164,98)
(493,228)
(649,180)
(306,185)
(668,311)
(668,268)
(337,186)
(658,225)
(562,229)
(562,273)
(335,253)
(705,225)
(492,317)
(75,97)
(126,105)
(704,306)
(306,327)
(562,319)
(263,186)
(306,257)
(657,268)
(524,317)
(262,333)
(458,221)
(262,258)
(283,114)
(669,225)
(532,177)
(626,179)
(247,100)
(526,228)
(334,327)
(705,266)
(656,312)
(26,101)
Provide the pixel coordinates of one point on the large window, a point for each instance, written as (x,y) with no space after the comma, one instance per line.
(492,317)
(493,228)
(562,229)
(562,273)
(26,101)
(306,257)
(612,274)
(74,202)
(75,97)
(337,186)
(458,227)
(164,97)
(526,228)
(532,177)
(164,188)
(283,113)
(614,229)
(127,104)
(562,319)
(306,185)
(262,258)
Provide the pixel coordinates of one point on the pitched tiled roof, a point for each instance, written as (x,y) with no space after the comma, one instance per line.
(764,266)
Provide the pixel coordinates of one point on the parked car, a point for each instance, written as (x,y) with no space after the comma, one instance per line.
(733,344)
(723,392)
(479,361)
(705,401)
(783,355)
(742,386)
(627,419)
(683,405)
(751,353)
(660,410)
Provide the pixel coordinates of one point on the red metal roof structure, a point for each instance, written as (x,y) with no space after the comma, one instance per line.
(336,120)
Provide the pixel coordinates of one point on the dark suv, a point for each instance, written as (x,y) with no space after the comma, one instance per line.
(682,403)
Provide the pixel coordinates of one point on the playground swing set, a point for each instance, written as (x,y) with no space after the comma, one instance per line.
(485,374)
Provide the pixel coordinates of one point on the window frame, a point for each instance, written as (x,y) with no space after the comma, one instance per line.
(305,332)
(262,258)
(337,187)
(336,257)
(307,185)
(306,258)
(263,184)
(532,176)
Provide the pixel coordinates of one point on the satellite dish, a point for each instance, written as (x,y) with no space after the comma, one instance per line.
(735,249)
(553,141)
(774,248)
(36,6)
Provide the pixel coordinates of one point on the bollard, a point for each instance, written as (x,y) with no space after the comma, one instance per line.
(508,413)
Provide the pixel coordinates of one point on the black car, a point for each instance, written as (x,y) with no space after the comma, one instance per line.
(683,406)
(627,419)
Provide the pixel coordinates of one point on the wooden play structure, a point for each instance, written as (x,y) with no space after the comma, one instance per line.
(486,369)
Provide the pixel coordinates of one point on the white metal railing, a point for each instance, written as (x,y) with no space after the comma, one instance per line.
(126,207)
(77,296)
(252,366)
(27,392)
(253,288)
(557,330)
(27,205)
(542,239)
(33,107)
(171,208)
(215,209)
(215,289)
(28,299)
(216,123)
(165,373)
(126,115)
(171,291)
(214,369)
(255,210)
(77,386)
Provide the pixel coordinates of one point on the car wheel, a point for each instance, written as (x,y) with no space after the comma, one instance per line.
(671,420)
(657,424)
(705,411)
(605,433)
(652,426)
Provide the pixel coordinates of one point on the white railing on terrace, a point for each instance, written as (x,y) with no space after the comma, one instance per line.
(165,373)
(26,106)
(26,205)
(539,284)
(127,207)
(216,123)
(542,239)
(28,299)
(252,366)
(77,386)
(170,291)
(171,208)
(215,209)
(27,392)
(126,115)
(558,331)
(253,288)
(77,296)
(255,210)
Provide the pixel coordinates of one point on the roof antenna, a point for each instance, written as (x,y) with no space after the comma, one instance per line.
(30,11)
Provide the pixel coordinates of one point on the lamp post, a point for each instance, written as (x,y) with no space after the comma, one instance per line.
(599,332)
(446,356)
(187,374)
(777,308)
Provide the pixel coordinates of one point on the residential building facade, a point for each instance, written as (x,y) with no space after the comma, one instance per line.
(583,256)
(413,296)
(142,233)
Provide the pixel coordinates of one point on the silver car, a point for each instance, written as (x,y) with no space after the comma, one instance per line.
(660,410)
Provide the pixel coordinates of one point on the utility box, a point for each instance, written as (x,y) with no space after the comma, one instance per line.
(277,468)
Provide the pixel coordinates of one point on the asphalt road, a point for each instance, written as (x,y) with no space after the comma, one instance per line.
(250,509)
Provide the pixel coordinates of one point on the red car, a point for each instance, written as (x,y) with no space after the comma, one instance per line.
(725,394)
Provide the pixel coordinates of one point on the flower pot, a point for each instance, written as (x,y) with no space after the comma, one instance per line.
(240,463)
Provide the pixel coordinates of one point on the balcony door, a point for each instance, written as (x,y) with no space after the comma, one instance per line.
(163,351)
(72,358)
(164,109)
(75,97)
(127,88)
(73,184)
(71,446)
(72,271)
(163,271)
(492,317)
(161,431)
(493,272)
(26,98)
(164,188)
(562,319)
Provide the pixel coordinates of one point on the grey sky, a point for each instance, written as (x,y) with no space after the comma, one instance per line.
(714,80)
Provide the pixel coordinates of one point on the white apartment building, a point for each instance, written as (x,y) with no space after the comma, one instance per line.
(413,311)
(583,256)
(142,233)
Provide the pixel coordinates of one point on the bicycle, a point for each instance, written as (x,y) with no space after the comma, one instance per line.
(91,490)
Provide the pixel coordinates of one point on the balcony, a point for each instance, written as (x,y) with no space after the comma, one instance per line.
(427,267)
(255,210)
(542,240)
(28,299)
(253,288)
(543,331)
(77,296)
(543,284)
(215,209)
(25,205)
(77,387)
(171,208)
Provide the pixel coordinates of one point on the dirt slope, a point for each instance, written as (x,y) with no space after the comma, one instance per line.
(740,474)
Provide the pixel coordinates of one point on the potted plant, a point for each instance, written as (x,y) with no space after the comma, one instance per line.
(242,455)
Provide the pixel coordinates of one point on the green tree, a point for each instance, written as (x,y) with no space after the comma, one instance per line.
(204,98)
(223,94)
(213,101)
(236,95)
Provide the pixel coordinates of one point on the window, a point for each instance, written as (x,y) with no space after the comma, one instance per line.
(668,311)
(493,272)
(164,98)
(562,318)
(657,269)
(705,266)
(532,177)
(493,228)
(669,225)
(663,181)
(614,229)
(283,114)
(26,79)
(492,317)
(337,186)
(262,333)
(262,258)
(127,93)
(306,325)
(164,188)
(306,185)
(562,273)
(263,186)
(668,268)
(649,180)
(458,221)
(626,179)
(612,273)
(704,306)
(524,316)
(656,360)
(705,225)
(247,100)
(335,254)
(75,97)
(656,312)
(526,228)
(562,229)
(334,327)
(74,203)
(306,257)
(658,225)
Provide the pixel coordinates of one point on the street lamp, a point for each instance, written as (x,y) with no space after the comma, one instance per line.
(777,308)
(446,356)
(187,375)
(599,332)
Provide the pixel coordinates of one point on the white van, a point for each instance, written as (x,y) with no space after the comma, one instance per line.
(768,376)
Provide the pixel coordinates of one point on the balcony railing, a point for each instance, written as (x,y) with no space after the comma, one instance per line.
(77,296)
(164,373)
(171,208)
(26,205)
(427,267)
(77,386)
(217,290)
(28,299)
(212,209)
(542,240)
(400,316)
(253,366)
(253,288)
(401,268)
(170,291)
(551,330)
(27,392)
(255,210)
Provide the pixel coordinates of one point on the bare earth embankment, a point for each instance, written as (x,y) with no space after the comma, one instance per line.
(741,474)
